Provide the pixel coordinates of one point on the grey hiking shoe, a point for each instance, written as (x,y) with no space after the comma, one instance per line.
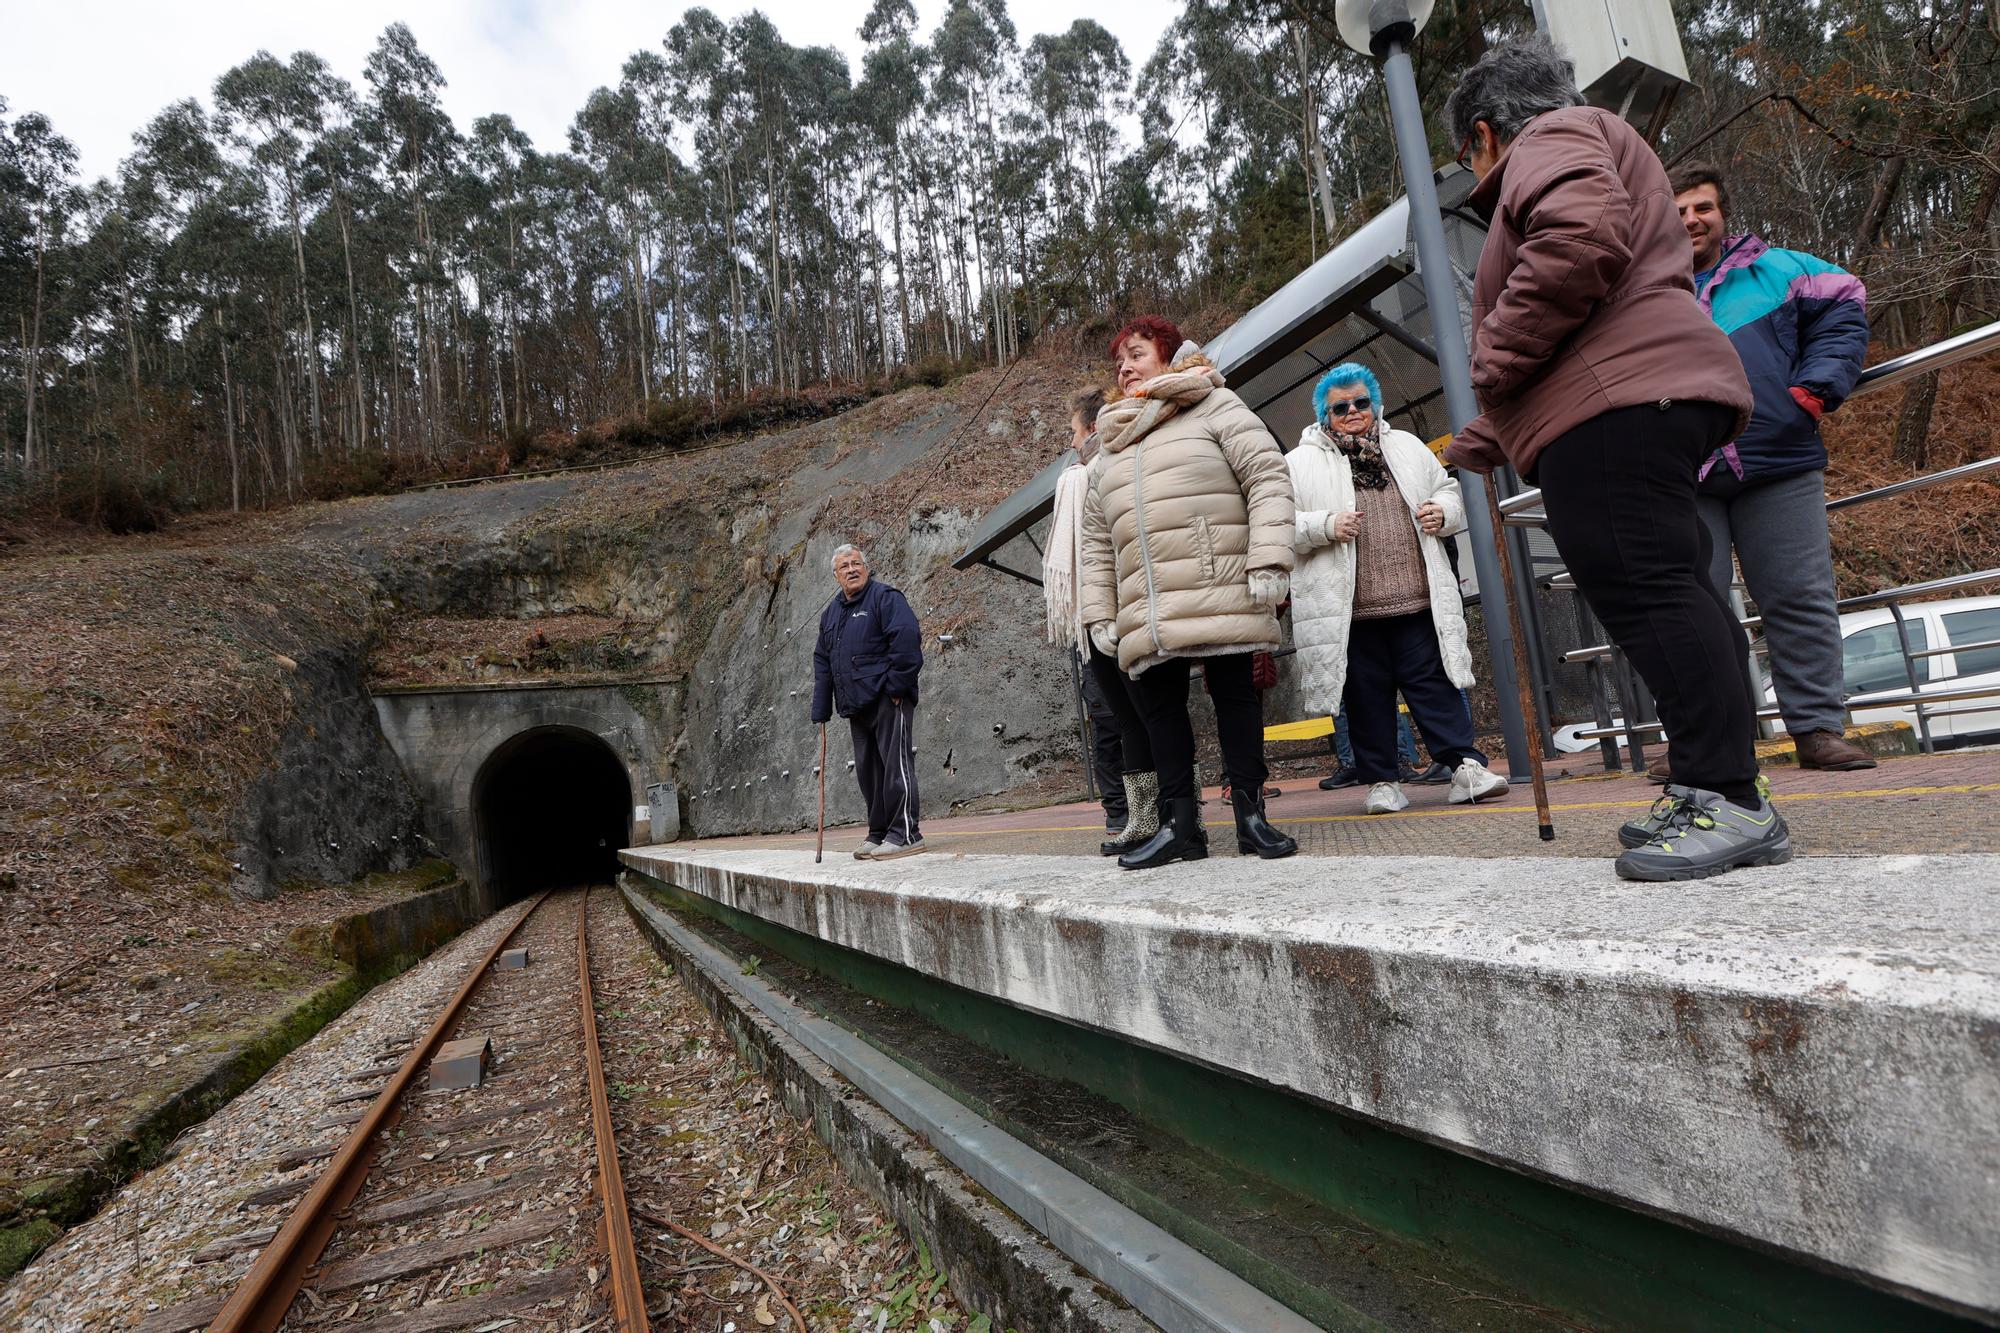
(1705,834)
(890,851)
(1638,832)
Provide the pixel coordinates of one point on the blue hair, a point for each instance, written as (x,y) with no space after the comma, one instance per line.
(1347,372)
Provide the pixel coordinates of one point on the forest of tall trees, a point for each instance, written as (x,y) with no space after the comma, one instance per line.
(296,285)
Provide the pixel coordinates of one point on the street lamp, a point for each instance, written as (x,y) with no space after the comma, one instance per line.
(1384,29)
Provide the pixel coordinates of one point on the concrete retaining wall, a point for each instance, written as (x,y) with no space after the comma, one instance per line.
(400,931)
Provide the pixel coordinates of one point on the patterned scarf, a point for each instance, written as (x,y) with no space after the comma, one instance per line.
(1364,455)
(1123,422)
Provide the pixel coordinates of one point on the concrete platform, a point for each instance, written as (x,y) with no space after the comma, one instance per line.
(1805,1059)
(1932,803)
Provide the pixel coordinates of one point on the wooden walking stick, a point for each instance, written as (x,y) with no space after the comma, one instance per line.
(1523,681)
(819,851)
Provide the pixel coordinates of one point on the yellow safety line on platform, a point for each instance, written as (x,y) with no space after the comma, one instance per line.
(1789,798)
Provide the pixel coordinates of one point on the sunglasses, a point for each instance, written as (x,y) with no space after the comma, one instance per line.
(1340,408)
(1464,158)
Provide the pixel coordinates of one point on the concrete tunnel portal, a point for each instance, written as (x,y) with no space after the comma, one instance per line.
(552,807)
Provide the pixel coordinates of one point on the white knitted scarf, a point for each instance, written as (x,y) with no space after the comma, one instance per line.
(1064,558)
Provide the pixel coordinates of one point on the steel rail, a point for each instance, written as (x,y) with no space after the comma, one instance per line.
(628,1292)
(1853,702)
(260,1301)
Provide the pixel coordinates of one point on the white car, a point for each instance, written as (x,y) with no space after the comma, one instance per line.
(1872,666)
(1872,663)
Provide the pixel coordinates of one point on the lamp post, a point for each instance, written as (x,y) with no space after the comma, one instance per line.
(1384,29)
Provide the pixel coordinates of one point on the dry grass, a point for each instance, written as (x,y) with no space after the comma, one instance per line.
(418,650)
(1933,533)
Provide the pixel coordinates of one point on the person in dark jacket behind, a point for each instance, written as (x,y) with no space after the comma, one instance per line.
(865,668)
(1600,378)
(1801,326)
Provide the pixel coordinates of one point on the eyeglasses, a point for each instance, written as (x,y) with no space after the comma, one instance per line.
(1464,158)
(1343,407)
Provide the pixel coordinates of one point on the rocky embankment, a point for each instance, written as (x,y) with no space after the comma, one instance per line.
(711,570)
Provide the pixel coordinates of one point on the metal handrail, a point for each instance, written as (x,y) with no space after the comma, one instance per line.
(1854,702)
(1924,482)
(1937,356)
(1949,649)
(1907,592)
(1916,591)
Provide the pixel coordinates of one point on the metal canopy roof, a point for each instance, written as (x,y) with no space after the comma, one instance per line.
(1361,301)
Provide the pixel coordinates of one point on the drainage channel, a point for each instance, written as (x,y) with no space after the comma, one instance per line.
(1172,1282)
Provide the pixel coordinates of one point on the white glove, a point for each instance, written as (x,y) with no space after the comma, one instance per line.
(1104,637)
(1269,587)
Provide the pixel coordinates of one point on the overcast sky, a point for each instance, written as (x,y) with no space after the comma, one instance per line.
(100,69)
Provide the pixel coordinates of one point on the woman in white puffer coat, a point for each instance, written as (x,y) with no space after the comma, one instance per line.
(1375,604)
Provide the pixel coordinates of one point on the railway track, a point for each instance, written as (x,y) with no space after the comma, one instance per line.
(446,1207)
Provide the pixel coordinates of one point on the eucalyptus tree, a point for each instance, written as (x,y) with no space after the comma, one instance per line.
(405,121)
(44,164)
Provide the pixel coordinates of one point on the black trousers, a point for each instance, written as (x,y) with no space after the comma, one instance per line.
(1620,496)
(1161,693)
(1117,691)
(1106,744)
(1392,653)
(885,764)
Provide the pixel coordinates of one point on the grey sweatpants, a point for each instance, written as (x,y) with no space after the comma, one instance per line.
(1778,529)
(885,763)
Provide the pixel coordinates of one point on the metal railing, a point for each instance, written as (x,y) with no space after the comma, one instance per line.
(1603,660)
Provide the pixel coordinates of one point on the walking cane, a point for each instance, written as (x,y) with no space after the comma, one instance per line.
(819,850)
(1522,681)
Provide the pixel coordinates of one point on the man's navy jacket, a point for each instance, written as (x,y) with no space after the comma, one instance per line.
(1795,320)
(869,646)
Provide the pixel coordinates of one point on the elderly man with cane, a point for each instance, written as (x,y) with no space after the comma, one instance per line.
(1601,379)
(865,667)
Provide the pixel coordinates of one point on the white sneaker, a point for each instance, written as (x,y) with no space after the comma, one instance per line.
(1475,782)
(889,851)
(866,851)
(1385,798)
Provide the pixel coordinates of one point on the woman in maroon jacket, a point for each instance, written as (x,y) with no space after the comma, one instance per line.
(1601,379)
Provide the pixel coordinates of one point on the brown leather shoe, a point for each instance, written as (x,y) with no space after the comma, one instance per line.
(1831,750)
(1661,770)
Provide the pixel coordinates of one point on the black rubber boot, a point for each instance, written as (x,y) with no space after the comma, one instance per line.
(1181,837)
(1254,834)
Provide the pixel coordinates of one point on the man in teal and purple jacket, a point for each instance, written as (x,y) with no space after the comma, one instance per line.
(1800,326)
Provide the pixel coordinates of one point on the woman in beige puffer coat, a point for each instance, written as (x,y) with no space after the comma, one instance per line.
(1187,546)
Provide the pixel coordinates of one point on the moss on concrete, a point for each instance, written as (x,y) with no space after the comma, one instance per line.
(246,1053)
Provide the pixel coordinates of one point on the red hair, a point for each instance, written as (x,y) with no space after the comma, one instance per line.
(1162,333)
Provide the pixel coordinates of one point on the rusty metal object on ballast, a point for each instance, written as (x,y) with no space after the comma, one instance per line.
(461,1063)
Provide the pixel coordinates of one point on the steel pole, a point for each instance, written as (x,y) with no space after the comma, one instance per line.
(1455,371)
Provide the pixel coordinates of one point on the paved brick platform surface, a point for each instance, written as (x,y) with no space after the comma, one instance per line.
(1916,803)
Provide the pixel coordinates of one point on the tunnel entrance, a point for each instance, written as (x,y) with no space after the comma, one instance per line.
(552,808)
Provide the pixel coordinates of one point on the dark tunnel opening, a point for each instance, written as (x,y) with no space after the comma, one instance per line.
(553,808)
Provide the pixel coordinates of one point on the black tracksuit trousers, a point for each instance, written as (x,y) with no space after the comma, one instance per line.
(885,763)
